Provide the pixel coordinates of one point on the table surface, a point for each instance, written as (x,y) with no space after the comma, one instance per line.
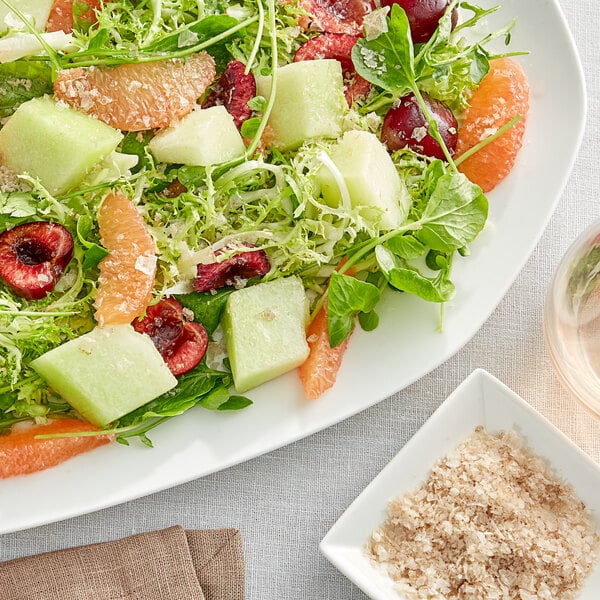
(284,502)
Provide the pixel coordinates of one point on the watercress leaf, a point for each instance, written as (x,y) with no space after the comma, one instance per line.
(191,388)
(84,228)
(436,260)
(99,39)
(201,30)
(197,33)
(350,295)
(407,246)
(93,255)
(455,214)
(388,60)
(480,64)
(347,297)
(20,81)
(207,307)
(339,327)
(235,403)
(258,103)
(215,399)
(406,279)
(135,142)
(250,127)
(191,177)
(368,320)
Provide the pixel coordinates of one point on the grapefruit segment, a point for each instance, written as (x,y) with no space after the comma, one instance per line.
(21,453)
(319,371)
(61,14)
(127,274)
(502,95)
(136,97)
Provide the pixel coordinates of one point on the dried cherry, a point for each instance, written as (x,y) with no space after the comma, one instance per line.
(337,16)
(234,90)
(245,265)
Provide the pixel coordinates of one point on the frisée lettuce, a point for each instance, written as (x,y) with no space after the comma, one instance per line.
(268,198)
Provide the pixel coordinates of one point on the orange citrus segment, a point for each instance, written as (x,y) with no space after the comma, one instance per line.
(502,95)
(21,453)
(136,97)
(61,15)
(319,371)
(127,273)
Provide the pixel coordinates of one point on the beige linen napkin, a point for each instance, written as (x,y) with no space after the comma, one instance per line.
(170,564)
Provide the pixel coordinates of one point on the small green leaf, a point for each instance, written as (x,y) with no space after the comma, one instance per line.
(407,279)
(407,246)
(455,214)
(21,81)
(235,403)
(436,260)
(388,60)
(215,399)
(480,64)
(201,31)
(347,296)
(369,321)
(99,39)
(207,307)
(258,103)
(93,255)
(250,127)
(135,143)
(191,177)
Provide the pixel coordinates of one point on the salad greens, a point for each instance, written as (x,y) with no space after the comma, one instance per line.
(267,198)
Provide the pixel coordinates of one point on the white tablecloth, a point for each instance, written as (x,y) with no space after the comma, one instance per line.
(285,501)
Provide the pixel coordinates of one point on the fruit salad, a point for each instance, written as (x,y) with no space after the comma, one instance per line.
(197,197)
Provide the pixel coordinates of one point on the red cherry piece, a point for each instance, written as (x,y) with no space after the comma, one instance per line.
(245,265)
(33,257)
(190,349)
(181,343)
(406,125)
(338,46)
(423,16)
(337,16)
(234,90)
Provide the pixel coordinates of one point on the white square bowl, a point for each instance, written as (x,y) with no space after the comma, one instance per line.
(480,400)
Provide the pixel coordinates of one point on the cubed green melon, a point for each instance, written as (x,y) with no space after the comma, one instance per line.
(203,137)
(309,102)
(265,331)
(57,144)
(36,12)
(106,373)
(371,178)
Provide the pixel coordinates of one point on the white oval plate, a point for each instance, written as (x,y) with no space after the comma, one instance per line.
(407,344)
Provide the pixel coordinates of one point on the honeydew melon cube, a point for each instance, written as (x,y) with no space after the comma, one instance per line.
(372,181)
(204,137)
(309,101)
(35,11)
(106,373)
(57,144)
(265,331)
